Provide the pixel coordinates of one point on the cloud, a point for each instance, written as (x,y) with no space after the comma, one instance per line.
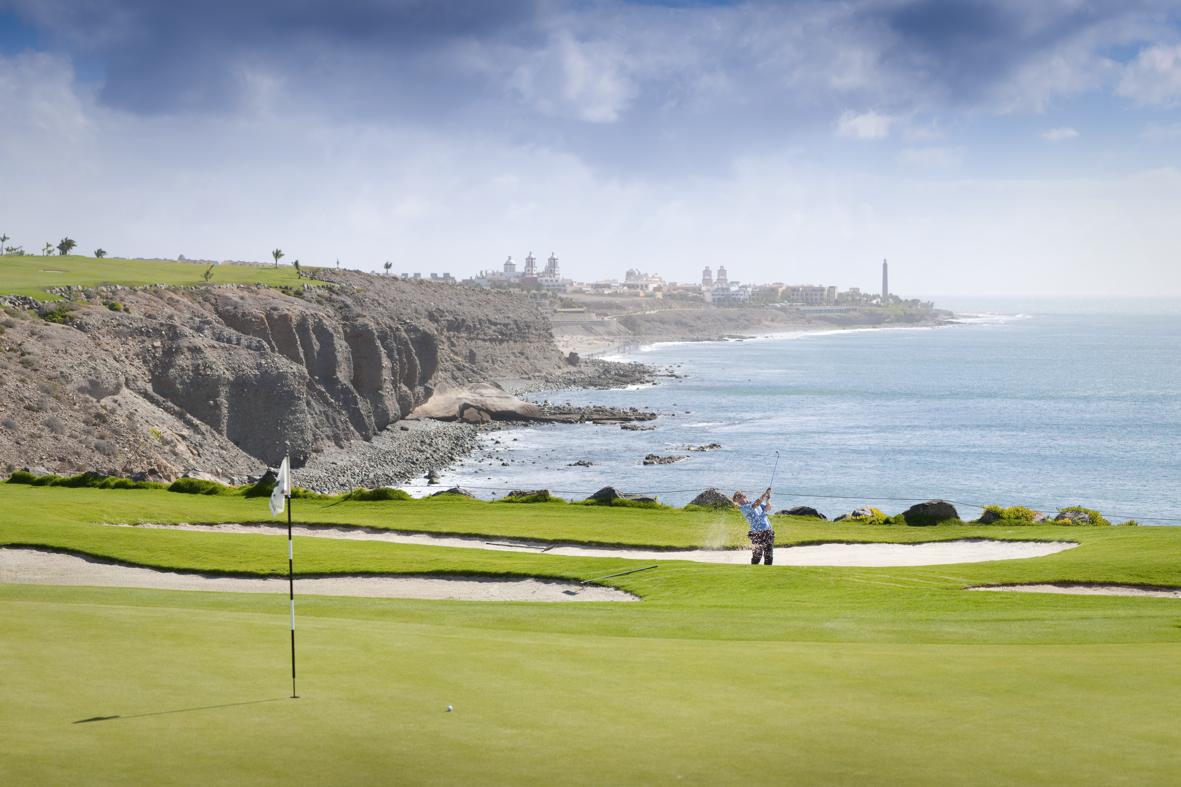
(1059,134)
(864,125)
(1154,77)
(931,158)
(587,80)
(1155,132)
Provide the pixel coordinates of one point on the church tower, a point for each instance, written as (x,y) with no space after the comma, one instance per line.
(530,265)
(707,277)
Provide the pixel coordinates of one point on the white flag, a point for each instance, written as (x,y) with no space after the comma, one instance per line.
(282,488)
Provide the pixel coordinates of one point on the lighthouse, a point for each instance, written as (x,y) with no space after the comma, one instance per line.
(885,281)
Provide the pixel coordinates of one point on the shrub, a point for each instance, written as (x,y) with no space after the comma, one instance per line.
(1096,517)
(375,495)
(1012,514)
(113,306)
(541,497)
(59,314)
(620,502)
(90,480)
(195,486)
(105,448)
(54,424)
(76,481)
(8,423)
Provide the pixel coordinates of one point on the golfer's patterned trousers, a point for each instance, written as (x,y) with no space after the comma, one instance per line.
(763,546)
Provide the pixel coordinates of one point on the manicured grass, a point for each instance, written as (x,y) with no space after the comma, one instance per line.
(723,674)
(32,275)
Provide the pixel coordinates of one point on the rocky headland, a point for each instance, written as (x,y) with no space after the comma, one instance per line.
(225,380)
(621,321)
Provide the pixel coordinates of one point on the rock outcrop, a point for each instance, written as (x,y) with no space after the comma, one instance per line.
(803,511)
(932,509)
(608,493)
(712,498)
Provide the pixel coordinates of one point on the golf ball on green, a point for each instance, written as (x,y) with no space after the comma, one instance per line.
(448,708)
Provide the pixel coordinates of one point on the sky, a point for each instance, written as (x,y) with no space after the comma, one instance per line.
(983,148)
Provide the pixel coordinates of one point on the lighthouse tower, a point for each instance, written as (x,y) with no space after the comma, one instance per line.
(885,281)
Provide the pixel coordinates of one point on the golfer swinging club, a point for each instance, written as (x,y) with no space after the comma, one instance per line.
(762,537)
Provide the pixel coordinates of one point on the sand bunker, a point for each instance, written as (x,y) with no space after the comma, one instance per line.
(39,567)
(932,553)
(1088,590)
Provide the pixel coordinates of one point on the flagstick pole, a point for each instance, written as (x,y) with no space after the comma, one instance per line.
(291,583)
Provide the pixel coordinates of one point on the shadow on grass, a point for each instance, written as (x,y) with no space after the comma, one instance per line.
(180,710)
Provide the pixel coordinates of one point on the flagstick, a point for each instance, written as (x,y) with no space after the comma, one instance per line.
(291,584)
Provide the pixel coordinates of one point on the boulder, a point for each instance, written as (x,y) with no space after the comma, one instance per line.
(1039,519)
(478,403)
(988,517)
(529,493)
(706,447)
(433,477)
(637,428)
(842,517)
(865,512)
(581,463)
(473,415)
(933,509)
(203,476)
(455,490)
(1077,517)
(611,493)
(38,471)
(803,511)
(653,459)
(714,498)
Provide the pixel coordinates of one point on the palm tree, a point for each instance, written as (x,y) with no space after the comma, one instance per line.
(66,245)
(277,253)
(48,248)
(3,240)
(208,274)
(388,265)
(298,272)
(100,253)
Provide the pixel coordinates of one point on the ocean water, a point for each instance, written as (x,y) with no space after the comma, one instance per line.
(1042,404)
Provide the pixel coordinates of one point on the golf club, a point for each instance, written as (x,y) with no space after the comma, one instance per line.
(773,469)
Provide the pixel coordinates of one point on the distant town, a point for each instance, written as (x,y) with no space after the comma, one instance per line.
(715,288)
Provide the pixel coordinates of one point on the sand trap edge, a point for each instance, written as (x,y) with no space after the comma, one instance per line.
(1087,589)
(39,565)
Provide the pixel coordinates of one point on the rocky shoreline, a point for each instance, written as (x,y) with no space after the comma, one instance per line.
(411,452)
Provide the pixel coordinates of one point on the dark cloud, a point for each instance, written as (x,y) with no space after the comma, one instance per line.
(647,84)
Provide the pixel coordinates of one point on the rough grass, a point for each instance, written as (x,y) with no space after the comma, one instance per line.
(723,674)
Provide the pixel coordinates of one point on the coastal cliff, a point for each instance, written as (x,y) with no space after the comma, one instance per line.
(224,380)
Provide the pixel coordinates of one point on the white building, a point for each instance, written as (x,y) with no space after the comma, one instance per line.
(724,294)
(636,279)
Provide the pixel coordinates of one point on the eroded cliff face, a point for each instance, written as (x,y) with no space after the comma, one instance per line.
(232,377)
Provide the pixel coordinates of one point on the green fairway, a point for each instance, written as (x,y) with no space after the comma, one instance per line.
(722,674)
(32,275)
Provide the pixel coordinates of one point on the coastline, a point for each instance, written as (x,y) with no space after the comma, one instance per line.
(404,455)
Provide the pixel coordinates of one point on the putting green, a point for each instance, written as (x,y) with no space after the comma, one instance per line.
(723,674)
